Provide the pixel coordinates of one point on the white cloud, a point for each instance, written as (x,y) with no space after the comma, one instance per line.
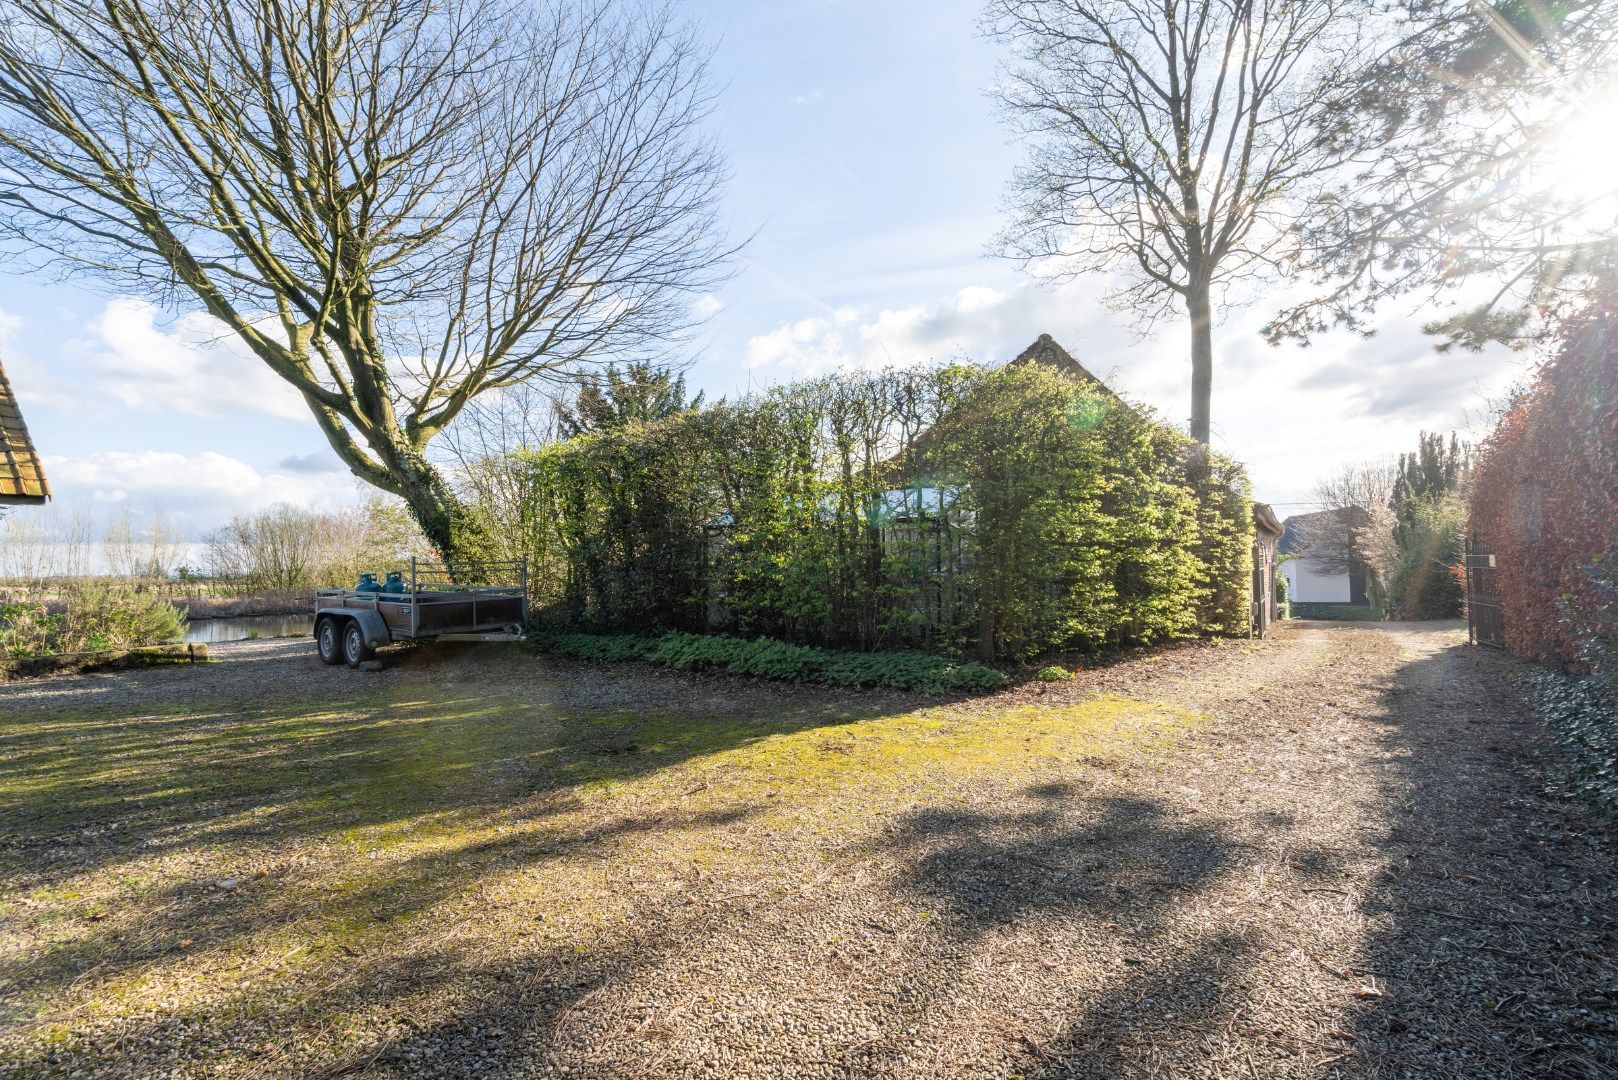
(976,322)
(194,366)
(808,346)
(198,490)
(707,306)
(806,98)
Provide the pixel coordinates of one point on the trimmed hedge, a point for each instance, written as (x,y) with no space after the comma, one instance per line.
(769,659)
(1545,488)
(1339,612)
(1544,501)
(1000,513)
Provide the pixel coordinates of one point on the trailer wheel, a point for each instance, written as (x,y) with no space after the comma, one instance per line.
(329,640)
(355,650)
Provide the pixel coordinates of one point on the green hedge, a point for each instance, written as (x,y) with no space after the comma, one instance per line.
(1338,612)
(1001,513)
(770,659)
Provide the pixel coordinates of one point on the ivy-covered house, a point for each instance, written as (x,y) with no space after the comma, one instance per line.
(22,477)
(1001,511)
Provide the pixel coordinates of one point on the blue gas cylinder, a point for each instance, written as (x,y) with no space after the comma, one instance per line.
(368,584)
(395,585)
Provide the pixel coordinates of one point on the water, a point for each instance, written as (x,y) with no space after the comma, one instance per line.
(251,626)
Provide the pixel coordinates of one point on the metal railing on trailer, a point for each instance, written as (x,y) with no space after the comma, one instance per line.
(432,576)
(437,600)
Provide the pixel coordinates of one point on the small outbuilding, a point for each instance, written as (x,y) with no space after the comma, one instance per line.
(1267,533)
(22,477)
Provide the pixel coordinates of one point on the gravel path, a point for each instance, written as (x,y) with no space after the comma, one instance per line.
(1345,864)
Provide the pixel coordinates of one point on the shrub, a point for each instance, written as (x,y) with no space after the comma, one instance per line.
(88,617)
(600,647)
(769,659)
(1005,512)
(287,548)
(1426,582)
(1053,673)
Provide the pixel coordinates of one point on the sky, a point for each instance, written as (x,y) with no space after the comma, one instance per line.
(869,171)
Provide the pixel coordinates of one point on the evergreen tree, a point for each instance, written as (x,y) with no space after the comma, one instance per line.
(637,393)
(1434,470)
(1428,521)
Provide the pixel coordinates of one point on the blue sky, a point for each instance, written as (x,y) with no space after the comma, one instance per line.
(869,168)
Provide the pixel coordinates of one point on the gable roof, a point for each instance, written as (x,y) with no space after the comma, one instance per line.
(22,478)
(1046,351)
(1043,351)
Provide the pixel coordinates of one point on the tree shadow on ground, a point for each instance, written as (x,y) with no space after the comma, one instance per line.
(469,781)
(1496,944)
(1113,869)
(1069,853)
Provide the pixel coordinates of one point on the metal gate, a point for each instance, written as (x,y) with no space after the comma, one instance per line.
(1484,625)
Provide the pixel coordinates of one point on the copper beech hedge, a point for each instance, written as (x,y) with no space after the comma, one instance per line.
(1544,493)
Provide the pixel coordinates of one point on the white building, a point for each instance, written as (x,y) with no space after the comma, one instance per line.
(1308,580)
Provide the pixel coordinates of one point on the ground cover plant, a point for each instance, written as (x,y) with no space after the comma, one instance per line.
(765,658)
(1581,709)
(996,512)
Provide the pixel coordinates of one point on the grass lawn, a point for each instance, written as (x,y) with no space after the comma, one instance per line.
(1338,612)
(287,883)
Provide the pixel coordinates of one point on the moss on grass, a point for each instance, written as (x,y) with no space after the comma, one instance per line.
(214,851)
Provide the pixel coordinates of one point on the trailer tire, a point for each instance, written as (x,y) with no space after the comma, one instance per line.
(355,649)
(329,640)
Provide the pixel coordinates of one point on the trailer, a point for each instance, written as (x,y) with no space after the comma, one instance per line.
(486,601)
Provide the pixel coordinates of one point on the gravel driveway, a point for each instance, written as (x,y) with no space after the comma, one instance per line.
(1328,854)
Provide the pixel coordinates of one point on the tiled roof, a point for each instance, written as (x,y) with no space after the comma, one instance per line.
(22,478)
(1292,537)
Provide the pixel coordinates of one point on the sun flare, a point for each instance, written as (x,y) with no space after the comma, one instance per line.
(1581,165)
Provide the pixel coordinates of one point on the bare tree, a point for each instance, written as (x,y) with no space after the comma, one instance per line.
(1172,140)
(1354,528)
(398,204)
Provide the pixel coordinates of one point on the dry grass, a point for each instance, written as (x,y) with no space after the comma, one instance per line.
(228,866)
(1205,861)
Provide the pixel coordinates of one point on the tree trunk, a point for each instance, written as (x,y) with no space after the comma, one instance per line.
(453,530)
(1200,307)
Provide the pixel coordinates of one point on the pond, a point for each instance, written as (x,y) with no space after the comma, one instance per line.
(247,627)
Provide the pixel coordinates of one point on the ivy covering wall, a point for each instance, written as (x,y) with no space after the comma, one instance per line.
(994,512)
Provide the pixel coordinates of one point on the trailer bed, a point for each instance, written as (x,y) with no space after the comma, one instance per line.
(434,603)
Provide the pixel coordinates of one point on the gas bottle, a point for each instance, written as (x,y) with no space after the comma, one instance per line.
(368,584)
(394,585)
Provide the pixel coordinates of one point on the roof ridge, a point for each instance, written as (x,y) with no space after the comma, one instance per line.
(1046,351)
